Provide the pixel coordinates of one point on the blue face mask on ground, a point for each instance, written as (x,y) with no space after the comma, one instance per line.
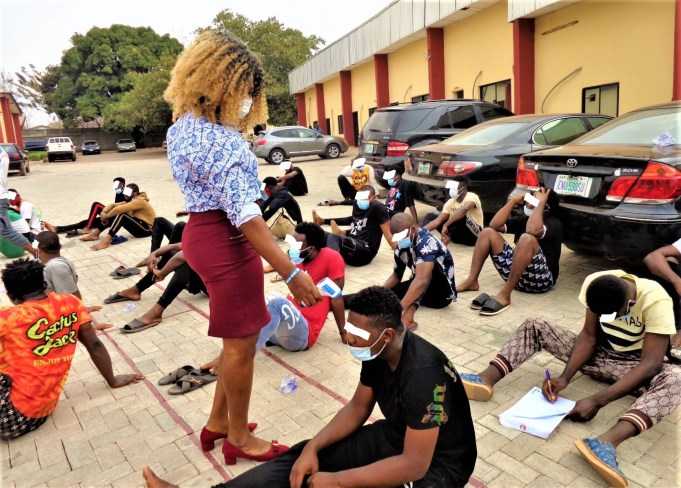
(363,204)
(364,353)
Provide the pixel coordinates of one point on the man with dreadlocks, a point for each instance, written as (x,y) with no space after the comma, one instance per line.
(38,338)
(216,91)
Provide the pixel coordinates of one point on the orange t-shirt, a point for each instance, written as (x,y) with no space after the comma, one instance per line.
(38,339)
(360,178)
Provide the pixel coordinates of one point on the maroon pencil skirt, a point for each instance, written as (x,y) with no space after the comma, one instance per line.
(232,271)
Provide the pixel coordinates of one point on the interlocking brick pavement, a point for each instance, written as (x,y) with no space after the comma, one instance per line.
(103,437)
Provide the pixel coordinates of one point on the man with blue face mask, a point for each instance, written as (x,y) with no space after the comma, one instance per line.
(400,196)
(431,264)
(368,222)
(533,265)
(426,439)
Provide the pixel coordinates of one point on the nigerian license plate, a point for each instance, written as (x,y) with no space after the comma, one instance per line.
(573,185)
(424,169)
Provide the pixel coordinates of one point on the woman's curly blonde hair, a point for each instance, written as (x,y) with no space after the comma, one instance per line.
(213,76)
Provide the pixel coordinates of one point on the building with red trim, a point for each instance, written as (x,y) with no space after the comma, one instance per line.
(10,120)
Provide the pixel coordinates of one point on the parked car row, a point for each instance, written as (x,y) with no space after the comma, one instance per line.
(63,147)
(619,180)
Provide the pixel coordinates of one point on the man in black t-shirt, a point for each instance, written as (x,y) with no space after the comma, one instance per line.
(293,179)
(533,265)
(369,221)
(426,439)
(400,196)
(279,197)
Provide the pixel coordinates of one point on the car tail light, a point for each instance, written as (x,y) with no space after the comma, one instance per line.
(397,148)
(659,183)
(408,165)
(526,177)
(457,168)
(260,142)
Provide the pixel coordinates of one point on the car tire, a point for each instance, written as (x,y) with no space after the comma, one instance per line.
(333,151)
(28,165)
(73,158)
(50,158)
(22,169)
(276,156)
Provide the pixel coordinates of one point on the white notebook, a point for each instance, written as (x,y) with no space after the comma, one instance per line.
(535,415)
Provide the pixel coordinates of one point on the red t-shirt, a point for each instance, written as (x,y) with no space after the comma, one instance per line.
(38,339)
(327,264)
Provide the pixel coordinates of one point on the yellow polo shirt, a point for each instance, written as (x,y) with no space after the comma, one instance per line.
(653,312)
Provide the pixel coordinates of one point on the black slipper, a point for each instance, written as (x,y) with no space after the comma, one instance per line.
(492,307)
(173,377)
(125,273)
(117,270)
(137,325)
(192,381)
(479,301)
(116,298)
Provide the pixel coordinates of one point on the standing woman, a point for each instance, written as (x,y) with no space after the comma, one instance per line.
(216,91)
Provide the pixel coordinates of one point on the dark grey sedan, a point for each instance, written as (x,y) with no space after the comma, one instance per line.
(277,145)
(488,154)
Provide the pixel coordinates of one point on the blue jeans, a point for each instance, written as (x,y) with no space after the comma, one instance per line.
(287,328)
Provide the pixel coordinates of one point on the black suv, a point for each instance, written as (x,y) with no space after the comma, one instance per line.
(390,131)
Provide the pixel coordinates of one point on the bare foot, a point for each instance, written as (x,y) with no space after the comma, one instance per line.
(502,299)
(211,365)
(131,293)
(154,481)
(50,227)
(92,236)
(335,229)
(103,243)
(103,326)
(316,218)
(267,268)
(468,285)
(142,263)
(152,316)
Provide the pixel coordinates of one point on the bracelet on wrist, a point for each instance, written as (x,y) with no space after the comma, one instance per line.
(293,274)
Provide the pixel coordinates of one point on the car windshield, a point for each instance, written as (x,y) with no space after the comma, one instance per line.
(485,134)
(125,141)
(90,142)
(647,128)
(9,148)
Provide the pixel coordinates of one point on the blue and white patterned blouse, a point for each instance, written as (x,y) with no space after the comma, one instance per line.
(214,168)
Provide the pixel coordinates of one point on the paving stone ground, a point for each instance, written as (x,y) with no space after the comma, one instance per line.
(103,437)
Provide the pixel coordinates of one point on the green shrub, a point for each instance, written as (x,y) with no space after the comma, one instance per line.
(37,155)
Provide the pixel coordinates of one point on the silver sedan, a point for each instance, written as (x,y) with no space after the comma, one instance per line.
(277,145)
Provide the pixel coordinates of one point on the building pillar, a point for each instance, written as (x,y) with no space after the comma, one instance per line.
(382,80)
(346,106)
(300,108)
(523,66)
(435,46)
(17,130)
(676,92)
(7,131)
(321,110)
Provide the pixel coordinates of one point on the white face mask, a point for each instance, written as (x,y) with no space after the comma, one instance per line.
(245,107)
(528,211)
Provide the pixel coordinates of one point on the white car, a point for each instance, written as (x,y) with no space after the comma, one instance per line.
(60,147)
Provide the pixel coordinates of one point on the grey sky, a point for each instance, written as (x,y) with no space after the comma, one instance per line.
(38,31)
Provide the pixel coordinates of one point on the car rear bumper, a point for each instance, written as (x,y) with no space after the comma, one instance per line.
(261,151)
(61,153)
(620,233)
(15,165)
(91,151)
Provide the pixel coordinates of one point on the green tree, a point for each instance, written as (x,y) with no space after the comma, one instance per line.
(97,71)
(142,108)
(281,49)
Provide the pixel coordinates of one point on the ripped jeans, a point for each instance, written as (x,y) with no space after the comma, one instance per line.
(287,327)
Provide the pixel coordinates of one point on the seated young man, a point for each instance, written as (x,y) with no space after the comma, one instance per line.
(38,338)
(92,222)
(135,215)
(279,197)
(28,212)
(7,232)
(292,326)
(623,341)
(368,222)
(533,265)
(352,179)
(60,273)
(427,437)
(665,264)
(162,262)
(400,196)
(431,264)
(461,219)
(293,179)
